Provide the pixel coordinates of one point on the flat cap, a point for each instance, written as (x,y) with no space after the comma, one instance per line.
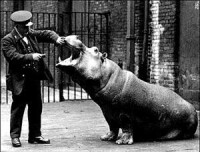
(22,17)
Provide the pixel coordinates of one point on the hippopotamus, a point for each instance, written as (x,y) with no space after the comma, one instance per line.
(135,110)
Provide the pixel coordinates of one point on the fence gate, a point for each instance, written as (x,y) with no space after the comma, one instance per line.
(92,28)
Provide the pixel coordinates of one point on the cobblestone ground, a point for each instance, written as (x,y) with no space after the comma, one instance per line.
(76,126)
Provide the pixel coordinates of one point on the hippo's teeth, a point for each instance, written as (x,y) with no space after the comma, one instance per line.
(59,59)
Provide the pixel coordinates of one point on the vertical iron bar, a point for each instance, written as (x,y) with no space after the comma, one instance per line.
(81,39)
(75,31)
(88,29)
(43,52)
(74,91)
(61,97)
(48,60)
(94,34)
(0,59)
(68,89)
(2,14)
(37,20)
(6,62)
(70,32)
(88,37)
(101,32)
(54,63)
(81,25)
(75,13)
(107,47)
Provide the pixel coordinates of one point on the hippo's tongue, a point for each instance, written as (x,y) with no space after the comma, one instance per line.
(75,52)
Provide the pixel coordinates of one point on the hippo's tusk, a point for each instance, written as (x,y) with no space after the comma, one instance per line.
(59,59)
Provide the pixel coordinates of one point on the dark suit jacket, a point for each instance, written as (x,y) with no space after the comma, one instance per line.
(17,56)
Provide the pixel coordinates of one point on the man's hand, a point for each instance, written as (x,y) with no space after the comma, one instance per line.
(60,40)
(38,56)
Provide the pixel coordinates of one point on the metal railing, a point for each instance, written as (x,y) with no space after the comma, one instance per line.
(92,28)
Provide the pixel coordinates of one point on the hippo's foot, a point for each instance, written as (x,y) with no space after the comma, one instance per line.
(126,138)
(110,136)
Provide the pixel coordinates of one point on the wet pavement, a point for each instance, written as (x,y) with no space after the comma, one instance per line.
(75,126)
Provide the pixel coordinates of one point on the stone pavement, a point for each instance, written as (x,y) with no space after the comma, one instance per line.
(75,126)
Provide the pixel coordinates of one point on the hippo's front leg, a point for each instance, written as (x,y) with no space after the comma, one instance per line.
(114,127)
(110,136)
(127,130)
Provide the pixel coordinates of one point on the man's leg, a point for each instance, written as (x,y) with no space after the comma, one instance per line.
(16,118)
(17,111)
(34,115)
(34,110)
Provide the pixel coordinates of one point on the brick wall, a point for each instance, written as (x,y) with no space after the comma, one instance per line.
(162,26)
(6,23)
(117,26)
(6,5)
(41,6)
(43,21)
(163,57)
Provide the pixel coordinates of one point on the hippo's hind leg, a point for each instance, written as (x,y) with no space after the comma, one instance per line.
(173,134)
(185,129)
(190,126)
(127,132)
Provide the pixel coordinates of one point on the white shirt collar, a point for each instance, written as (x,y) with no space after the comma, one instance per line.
(24,38)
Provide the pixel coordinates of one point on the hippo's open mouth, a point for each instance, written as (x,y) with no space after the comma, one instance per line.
(74,55)
(75,52)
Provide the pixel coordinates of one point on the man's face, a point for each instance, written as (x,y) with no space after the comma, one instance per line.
(23,29)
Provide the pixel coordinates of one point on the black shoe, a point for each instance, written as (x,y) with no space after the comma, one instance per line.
(16,142)
(38,140)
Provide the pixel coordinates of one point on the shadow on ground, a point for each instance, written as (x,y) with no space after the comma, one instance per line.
(75,126)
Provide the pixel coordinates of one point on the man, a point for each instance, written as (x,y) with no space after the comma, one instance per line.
(26,69)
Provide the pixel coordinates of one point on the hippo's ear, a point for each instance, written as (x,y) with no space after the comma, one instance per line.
(104,55)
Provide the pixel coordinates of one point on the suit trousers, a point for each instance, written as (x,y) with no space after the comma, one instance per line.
(30,96)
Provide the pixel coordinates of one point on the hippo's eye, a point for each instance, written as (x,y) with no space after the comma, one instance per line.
(77,37)
(96,50)
(80,45)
